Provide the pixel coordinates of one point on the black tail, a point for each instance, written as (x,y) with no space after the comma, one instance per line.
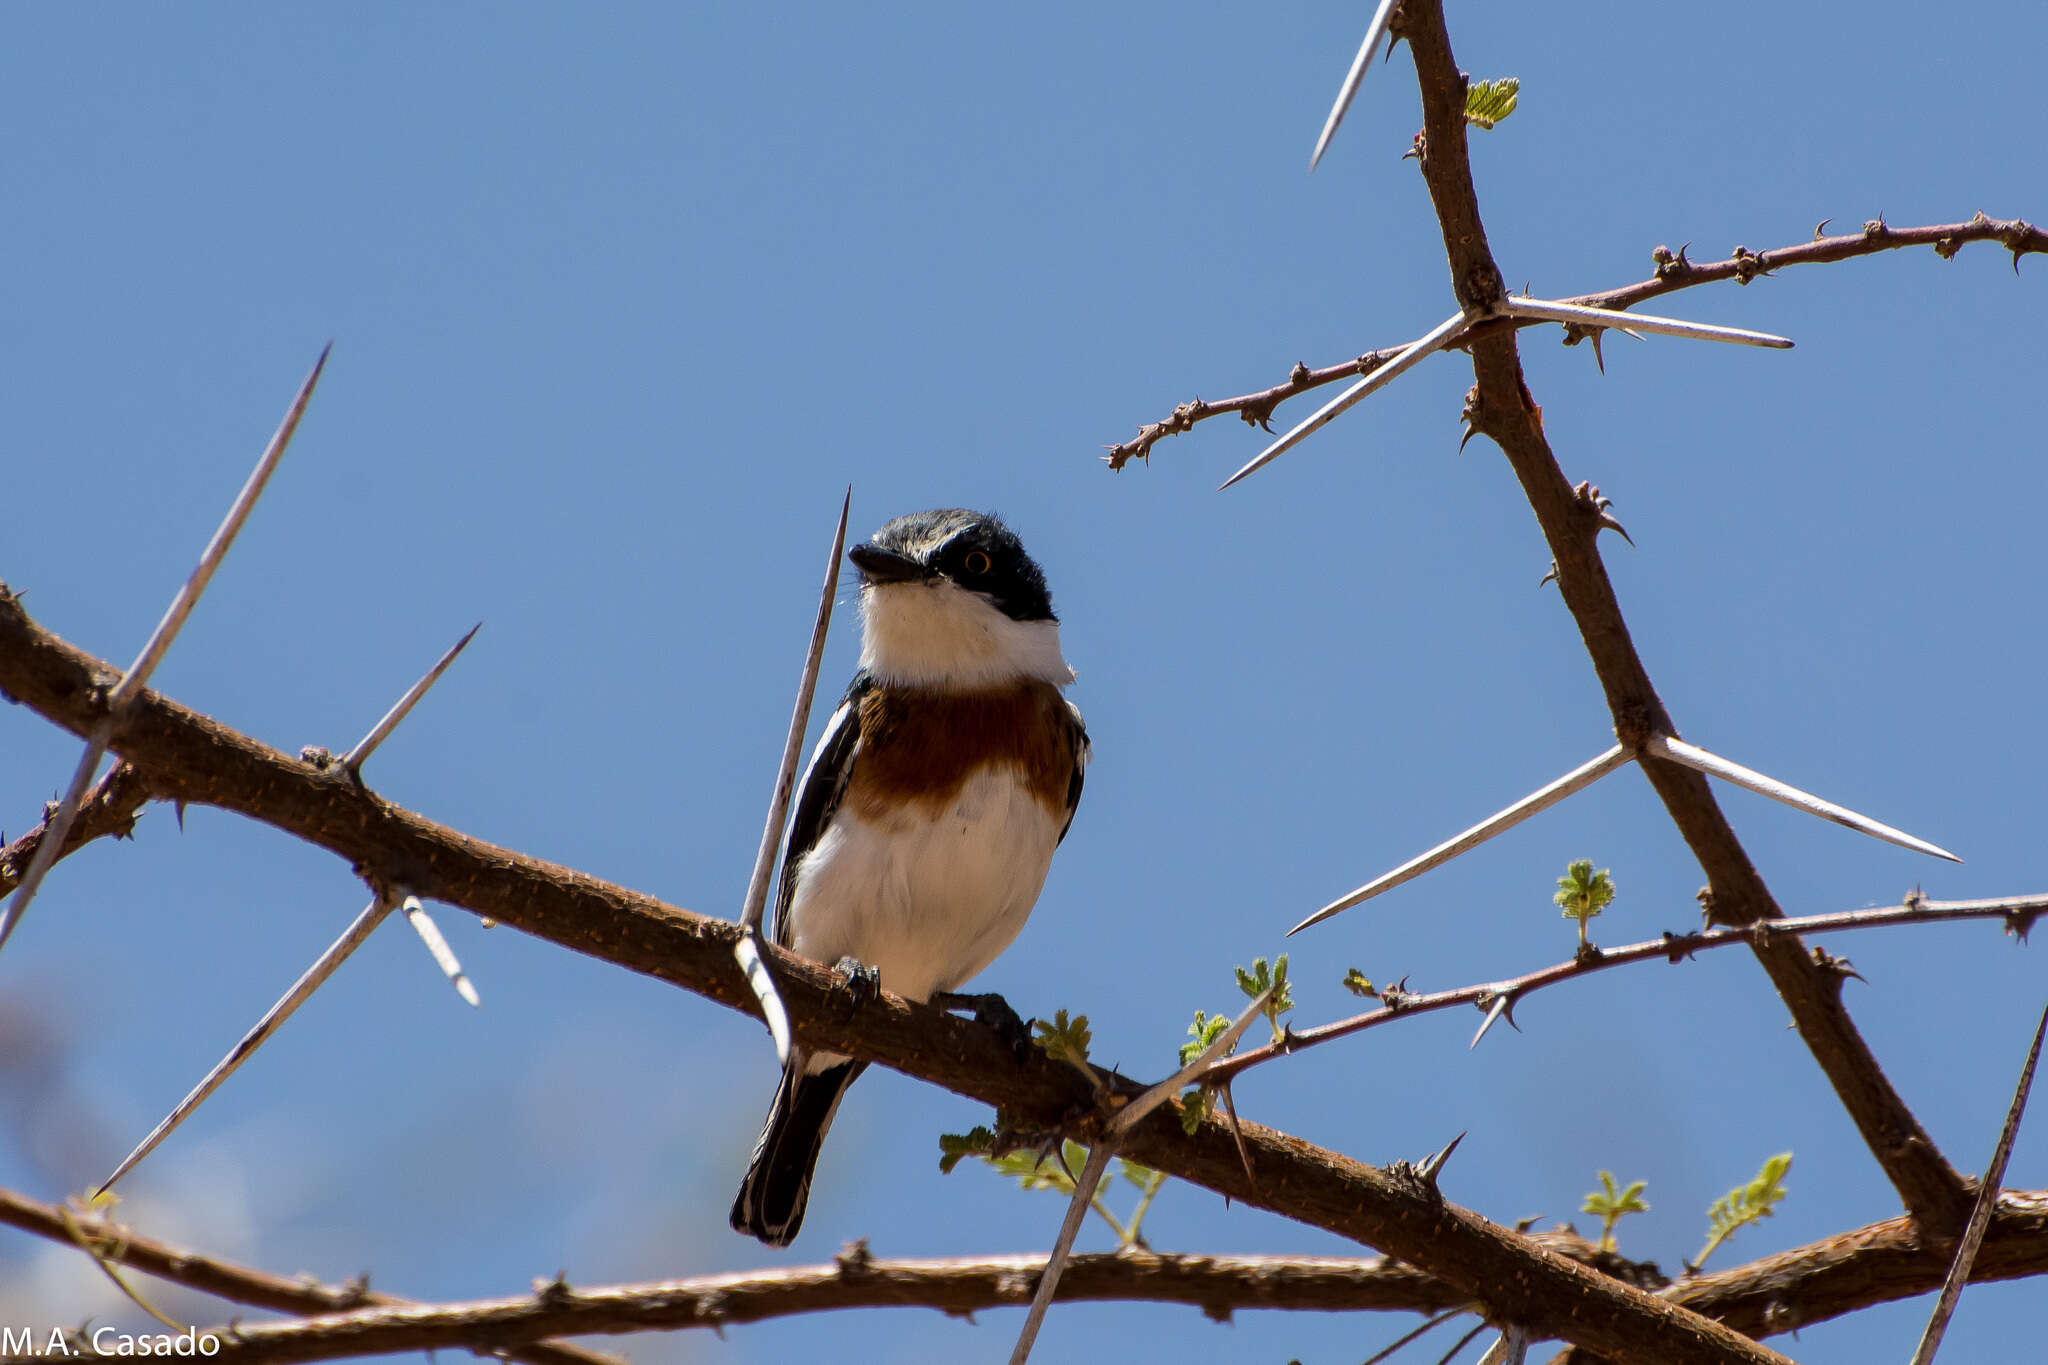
(770,1204)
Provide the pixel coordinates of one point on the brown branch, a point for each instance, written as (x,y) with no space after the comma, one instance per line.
(2018,912)
(1779,1293)
(1500,406)
(187,756)
(109,808)
(241,1284)
(1674,272)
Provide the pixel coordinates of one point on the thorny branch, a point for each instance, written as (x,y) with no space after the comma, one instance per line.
(1779,1293)
(2018,912)
(109,808)
(1674,272)
(186,756)
(241,1284)
(1500,406)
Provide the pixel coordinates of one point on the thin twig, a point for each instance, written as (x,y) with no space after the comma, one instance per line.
(2017,910)
(122,1245)
(311,980)
(354,759)
(1980,1213)
(137,675)
(1675,273)
(110,808)
(1049,1280)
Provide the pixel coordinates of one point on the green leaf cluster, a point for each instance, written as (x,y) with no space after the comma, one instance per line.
(1037,1169)
(1206,1029)
(1488,102)
(1745,1204)
(1262,978)
(1067,1041)
(1583,893)
(1611,1203)
(979,1141)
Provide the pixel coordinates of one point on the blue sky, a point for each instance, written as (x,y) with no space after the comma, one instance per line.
(623,298)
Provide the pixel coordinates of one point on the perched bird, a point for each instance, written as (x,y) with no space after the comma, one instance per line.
(929,813)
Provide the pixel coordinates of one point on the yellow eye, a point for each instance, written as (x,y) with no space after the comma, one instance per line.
(976,562)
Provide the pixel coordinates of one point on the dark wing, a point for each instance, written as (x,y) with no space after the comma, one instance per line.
(1082,751)
(824,783)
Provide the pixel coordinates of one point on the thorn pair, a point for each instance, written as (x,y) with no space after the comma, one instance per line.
(1585,775)
(1448,332)
(137,676)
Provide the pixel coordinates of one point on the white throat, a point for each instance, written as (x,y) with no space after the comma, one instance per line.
(937,634)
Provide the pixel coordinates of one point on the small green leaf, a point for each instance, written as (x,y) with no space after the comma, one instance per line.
(1264,977)
(1358,983)
(953,1146)
(1201,1033)
(1194,1107)
(1067,1041)
(1583,893)
(1488,102)
(1141,1176)
(1745,1204)
(1611,1204)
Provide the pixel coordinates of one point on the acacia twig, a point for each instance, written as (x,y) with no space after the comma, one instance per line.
(1673,273)
(2017,911)
(1791,1289)
(122,1245)
(110,808)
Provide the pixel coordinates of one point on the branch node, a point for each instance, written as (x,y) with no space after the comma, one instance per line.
(854,1260)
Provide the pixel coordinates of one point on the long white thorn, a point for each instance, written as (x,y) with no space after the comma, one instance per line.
(132,682)
(792,746)
(381,731)
(1692,756)
(1352,80)
(1515,306)
(1440,336)
(1981,1211)
(1543,798)
(315,976)
(444,956)
(1131,1114)
(747,952)
(1077,1209)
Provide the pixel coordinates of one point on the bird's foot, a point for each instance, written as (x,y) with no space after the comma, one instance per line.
(862,981)
(990,1011)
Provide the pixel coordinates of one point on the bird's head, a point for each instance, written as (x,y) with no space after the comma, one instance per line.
(950,600)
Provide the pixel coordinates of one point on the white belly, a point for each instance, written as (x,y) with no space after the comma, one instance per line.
(929,903)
